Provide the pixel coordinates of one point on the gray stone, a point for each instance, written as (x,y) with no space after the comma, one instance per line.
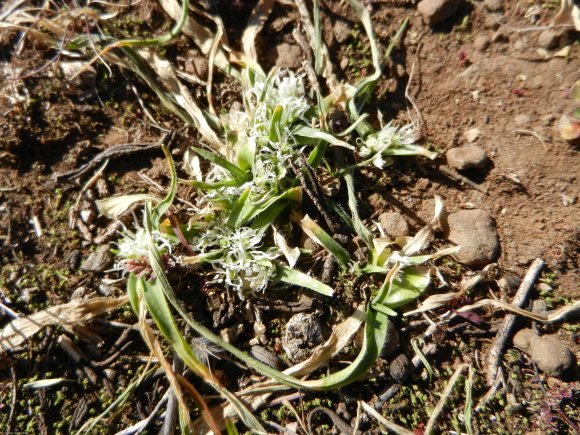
(399,368)
(550,355)
(549,39)
(341,31)
(475,232)
(394,224)
(302,334)
(481,43)
(436,11)
(493,5)
(99,261)
(288,56)
(466,157)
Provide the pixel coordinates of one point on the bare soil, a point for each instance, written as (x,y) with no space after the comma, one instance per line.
(509,91)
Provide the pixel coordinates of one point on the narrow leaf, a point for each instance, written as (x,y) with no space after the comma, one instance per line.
(295,277)
(316,233)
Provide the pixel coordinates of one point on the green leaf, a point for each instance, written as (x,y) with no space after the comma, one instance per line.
(275,123)
(218,185)
(385,310)
(234,219)
(306,135)
(317,154)
(316,233)
(235,171)
(408,285)
(252,210)
(246,153)
(359,227)
(295,277)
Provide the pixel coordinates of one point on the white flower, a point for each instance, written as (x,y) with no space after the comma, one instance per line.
(237,258)
(134,246)
(385,142)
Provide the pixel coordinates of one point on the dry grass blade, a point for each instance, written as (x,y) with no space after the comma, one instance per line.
(201,36)
(441,405)
(327,66)
(155,348)
(260,14)
(388,424)
(166,74)
(558,315)
(20,330)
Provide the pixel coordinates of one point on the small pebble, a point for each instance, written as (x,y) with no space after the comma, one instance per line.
(549,39)
(476,233)
(341,31)
(98,261)
(481,43)
(493,5)
(543,287)
(472,134)
(436,11)
(399,368)
(550,355)
(394,224)
(288,56)
(302,334)
(467,157)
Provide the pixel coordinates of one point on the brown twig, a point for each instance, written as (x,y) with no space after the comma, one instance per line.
(454,174)
(504,333)
(113,153)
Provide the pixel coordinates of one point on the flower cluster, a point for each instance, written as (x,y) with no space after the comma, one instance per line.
(387,141)
(260,142)
(133,251)
(237,257)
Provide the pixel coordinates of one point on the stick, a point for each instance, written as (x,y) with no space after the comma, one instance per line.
(454,174)
(520,300)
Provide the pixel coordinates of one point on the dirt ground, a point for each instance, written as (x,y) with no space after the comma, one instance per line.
(470,72)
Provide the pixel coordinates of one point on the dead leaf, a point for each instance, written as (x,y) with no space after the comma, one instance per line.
(20,330)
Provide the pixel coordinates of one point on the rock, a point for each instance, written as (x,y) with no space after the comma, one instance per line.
(493,5)
(466,157)
(394,224)
(522,120)
(550,354)
(99,260)
(481,43)
(539,306)
(436,11)
(509,283)
(472,134)
(344,63)
(392,340)
(491,22)
(475,231)
(500,36)
(197,65)
(341,31)
(399,368)
(549,39)
(302,334)
(288,56)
